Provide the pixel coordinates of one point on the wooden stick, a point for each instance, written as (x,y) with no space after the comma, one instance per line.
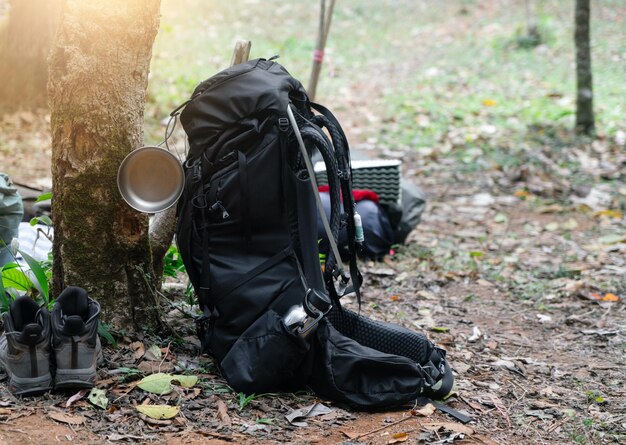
(241,52)
(322,37)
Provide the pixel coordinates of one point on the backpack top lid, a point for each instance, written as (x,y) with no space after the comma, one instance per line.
(254,87)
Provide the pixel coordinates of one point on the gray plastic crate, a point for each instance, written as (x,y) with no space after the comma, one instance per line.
(379,175)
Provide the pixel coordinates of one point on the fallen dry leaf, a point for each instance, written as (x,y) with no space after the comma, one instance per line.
(609,214)
(398,438)
(154,353)
(66,418)
(79,395)
(138,349)
(222,413)
(150,367)
(451,426)
(426,410)
(350,434)
(610,297)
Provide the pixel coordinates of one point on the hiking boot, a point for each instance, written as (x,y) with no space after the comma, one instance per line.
(77,349)
(25,348)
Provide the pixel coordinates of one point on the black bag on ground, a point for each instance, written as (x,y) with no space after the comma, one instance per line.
(247,234)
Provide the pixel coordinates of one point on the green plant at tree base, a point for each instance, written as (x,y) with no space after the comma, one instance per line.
(172,266)
(172,263)
(14,281)
(265,421)
(245,400)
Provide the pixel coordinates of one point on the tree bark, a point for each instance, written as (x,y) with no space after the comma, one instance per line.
(161,233)
(24,47)
(98,78)
(585,122)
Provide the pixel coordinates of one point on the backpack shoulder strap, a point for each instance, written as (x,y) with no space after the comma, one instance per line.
(342,152)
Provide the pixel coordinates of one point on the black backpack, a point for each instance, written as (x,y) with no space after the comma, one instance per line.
(247,232)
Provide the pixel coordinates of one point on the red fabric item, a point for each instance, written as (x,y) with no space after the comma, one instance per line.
(359,195)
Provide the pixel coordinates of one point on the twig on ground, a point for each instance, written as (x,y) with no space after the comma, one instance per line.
(502,412)
(167,352)
(384,427)
(556,425)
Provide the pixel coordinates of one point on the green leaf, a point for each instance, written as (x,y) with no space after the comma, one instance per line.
(265,421)
(186,381)
(551,227)
(103,331)
(613,238)
(8,266)
(45,220)
(500,218)
(158,412)
(98,398)
(439,329)
(155,351)
(129,371)
(4,301)
(39,273)
(476,254)
(44,197)
(159,383)
(15,278)
(245,400)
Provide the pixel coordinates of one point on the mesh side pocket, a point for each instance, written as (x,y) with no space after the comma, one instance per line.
(266,357)
(384,337)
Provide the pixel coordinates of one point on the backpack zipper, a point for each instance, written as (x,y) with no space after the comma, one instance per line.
(218,203)
(221,81)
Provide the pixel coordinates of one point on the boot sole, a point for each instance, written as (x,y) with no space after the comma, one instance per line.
(30,386)
(75,378)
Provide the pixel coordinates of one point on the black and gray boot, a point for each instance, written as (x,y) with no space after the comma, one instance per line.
(25,348)
(75,341)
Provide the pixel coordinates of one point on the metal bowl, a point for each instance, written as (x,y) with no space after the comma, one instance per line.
(150,179)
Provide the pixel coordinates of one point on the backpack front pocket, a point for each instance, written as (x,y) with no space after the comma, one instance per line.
(266,357)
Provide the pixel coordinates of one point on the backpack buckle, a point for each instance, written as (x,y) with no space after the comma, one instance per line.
(283,124)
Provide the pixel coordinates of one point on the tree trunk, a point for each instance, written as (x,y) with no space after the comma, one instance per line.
(584,98)
(98,78)
(24,47)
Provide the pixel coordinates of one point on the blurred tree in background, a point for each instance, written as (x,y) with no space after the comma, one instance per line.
(25,41)
(585,122)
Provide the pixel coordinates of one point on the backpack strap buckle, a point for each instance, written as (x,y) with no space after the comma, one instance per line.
(283,124)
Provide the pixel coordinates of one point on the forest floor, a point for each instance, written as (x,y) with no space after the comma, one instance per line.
(517,269)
